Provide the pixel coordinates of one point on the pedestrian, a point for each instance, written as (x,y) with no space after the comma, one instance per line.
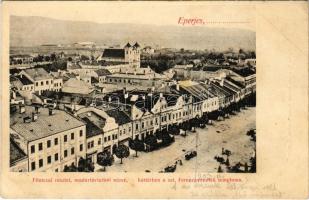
(222,151)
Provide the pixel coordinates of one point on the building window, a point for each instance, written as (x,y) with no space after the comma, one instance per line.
(32,149)
(99,141)
(46,82)
(81,147)
(120,132)
(32,166)
(72,136)
(56,157)
(65,138)
(41,163)
(116,137)
(36,84)
(56,170)
(40,146)
(56,141)
(72,151)
(48,143)
(81,133)
(142,124)
(65,153)
(48,159)
(109,138)
(136,126)
(42,83)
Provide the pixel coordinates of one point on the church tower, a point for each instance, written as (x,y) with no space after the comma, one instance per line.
(133,54)
(137,55)
(128,53)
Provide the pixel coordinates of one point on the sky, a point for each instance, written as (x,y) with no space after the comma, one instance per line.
(156,13)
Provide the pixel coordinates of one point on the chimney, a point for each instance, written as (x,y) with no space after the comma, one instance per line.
(124,91)
(34,116)
(177,87)
(14,94)
(89,114)
(221,82)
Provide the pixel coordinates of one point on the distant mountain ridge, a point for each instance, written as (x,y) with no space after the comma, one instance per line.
(33,31)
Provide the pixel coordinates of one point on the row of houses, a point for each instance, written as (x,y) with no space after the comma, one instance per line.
(47,139)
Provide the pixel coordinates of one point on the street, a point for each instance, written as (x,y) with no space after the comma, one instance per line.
(228,134)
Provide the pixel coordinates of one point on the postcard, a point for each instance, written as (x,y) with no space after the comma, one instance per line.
(154,99)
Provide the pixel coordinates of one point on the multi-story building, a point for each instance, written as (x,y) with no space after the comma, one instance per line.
(40,78)
(52,139)
(101,75)
(149,80)
(107,138)
(22,83)
(58,81)
(124,124)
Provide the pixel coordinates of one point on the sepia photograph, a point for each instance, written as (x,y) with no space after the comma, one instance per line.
(95,96)
(157,99)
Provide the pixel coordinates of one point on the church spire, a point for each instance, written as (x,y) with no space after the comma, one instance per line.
(128,45)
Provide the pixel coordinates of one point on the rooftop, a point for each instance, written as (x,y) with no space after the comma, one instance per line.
(74,66)
(96,119)
(137,76)
(38,74)
(75,86)
(45,125)
(197,90)
(103,72)
(244,71)
(220,89)
(24,80)
(16,153)
(91,128)
(239,84)
(119,116)
(113,53)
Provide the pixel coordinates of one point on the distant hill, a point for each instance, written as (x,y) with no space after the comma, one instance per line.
(32,31)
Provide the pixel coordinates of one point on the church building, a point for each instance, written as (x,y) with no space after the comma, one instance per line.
(129,54)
